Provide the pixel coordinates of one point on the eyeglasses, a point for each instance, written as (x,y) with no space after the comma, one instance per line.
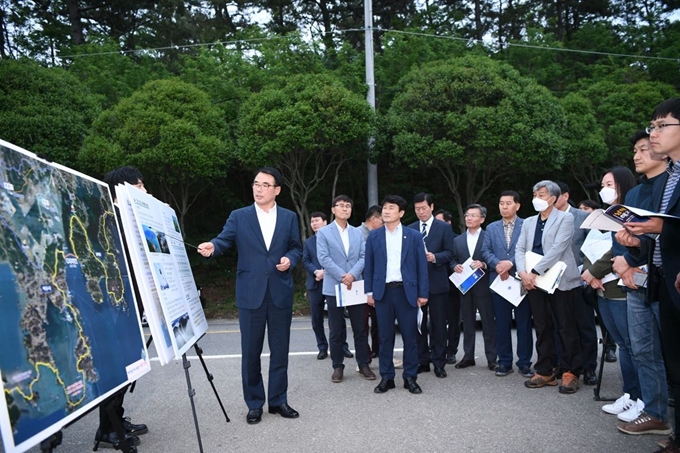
(659,127)
(264,186)
(343,206)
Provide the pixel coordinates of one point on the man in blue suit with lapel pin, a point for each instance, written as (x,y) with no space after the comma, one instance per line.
(340,249)
(498,251)
(396,283)
(438,239)
(268,241)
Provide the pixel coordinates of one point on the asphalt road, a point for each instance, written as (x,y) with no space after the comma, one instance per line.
(470,411)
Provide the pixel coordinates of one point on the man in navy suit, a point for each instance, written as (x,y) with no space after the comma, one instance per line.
(396,283)
(267,237)
(498,251)
(664,135)
(453,307)
(479,296)
(315,283)
(438,238)
(340,249)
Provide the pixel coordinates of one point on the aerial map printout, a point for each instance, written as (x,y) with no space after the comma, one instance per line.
(69,332)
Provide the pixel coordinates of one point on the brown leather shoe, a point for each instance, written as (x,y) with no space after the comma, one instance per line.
(337,375)
(367,373)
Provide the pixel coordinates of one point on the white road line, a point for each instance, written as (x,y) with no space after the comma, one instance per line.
(238,356)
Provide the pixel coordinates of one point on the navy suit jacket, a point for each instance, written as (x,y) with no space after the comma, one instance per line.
(461,254)
(413,265)
(256,268)
(311,262)
(494,248)
(669,241)
(439,241)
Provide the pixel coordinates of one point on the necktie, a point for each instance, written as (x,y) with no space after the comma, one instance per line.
(424,232)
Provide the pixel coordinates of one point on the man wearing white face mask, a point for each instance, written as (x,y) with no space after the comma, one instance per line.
(549,234)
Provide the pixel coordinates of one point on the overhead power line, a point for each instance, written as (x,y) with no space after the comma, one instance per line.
(384,30)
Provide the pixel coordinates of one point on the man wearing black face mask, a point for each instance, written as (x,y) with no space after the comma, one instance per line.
(549,234)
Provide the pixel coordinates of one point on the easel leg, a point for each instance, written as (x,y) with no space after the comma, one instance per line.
(199,353)
(192,392)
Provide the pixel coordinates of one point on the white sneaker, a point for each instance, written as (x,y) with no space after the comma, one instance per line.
(633,413)
(398,363)
(620,405)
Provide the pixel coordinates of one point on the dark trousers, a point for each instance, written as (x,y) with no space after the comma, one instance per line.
(338,332)
(435,331)
(116,400)
(470,303)
(252,323)
(370,314)
(394,305)
(316,301)
(587,331)
(525,335)
(563,305)
(670,337)
(453,322)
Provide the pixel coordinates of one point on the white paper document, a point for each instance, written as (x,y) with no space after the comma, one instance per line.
(468,278)
(596,244)
(598,220)
(420,319)
(550,280)
(346,297)
(509,289)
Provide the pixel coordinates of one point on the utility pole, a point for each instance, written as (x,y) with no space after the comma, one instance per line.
(372,169)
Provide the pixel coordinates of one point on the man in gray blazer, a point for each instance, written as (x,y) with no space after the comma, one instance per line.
(340,249)
(549,234)
(585,313)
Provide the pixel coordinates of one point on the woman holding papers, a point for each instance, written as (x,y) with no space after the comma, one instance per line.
(549,235)
(612,300)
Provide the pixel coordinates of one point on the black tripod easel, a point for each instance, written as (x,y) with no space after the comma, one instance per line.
(604,340)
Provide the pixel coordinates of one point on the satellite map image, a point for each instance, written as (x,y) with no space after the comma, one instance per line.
(69,330)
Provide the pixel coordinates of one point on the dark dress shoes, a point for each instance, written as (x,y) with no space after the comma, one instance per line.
(254,416)
(347,353)
(337,375)
(493,366)
(589,377)
(610,356)
(504,370)
(412,386)
(322,354)
(451,359)
(110,440)
(440,372)
(465,363)
(423,369)
(374,354)
(134,428)
(284,410)
(384,386)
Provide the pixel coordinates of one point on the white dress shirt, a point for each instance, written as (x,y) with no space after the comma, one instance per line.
(472,239)
(267,221)
(393,242)
(344,236)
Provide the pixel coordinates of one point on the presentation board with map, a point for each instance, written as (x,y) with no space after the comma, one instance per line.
(69,329)
(165,281)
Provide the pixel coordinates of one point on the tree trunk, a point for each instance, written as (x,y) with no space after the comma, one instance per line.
(76,25)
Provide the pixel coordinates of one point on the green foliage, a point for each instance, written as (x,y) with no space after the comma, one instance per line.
(110,73)
(47,111)
(308,128)
(170,131)
(476,120)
